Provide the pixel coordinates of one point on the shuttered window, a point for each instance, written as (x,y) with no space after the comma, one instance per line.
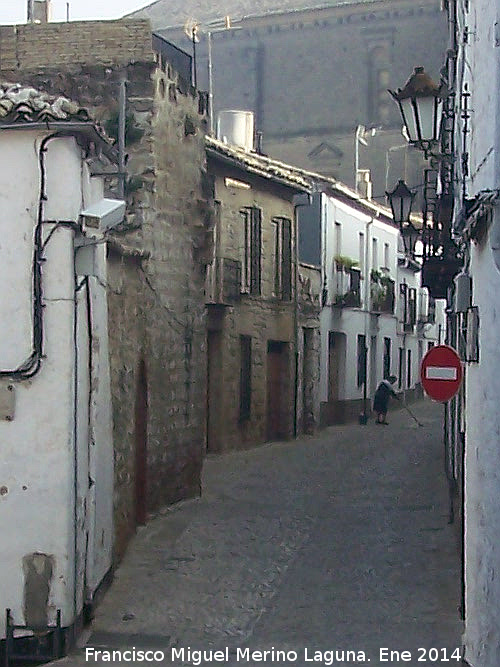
(283,258)
(252,251)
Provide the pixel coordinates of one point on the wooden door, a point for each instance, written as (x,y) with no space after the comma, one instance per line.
(214,390)
(276,373)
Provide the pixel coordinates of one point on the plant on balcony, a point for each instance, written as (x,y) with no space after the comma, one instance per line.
(344,263)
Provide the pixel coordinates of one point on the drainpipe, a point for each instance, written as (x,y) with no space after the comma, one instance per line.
(298,201)
(363,417)
(210,83)
(122,114)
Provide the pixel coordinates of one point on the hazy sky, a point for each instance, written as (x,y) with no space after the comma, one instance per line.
(14,11)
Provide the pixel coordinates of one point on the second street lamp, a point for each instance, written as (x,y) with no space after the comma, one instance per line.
(401,200)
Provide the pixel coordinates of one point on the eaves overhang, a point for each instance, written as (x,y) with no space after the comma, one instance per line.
(295,177)
(252,167)
(92,138)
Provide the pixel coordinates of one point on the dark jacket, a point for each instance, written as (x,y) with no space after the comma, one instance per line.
(382,395)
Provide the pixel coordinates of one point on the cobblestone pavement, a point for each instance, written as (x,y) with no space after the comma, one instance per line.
(334,542)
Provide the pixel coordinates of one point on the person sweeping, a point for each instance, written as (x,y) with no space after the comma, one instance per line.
(381,399)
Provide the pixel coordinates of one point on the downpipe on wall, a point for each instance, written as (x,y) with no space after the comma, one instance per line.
(31,366)
(298,201)
(364,416)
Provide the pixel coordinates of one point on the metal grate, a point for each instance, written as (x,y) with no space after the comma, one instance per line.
(44,645)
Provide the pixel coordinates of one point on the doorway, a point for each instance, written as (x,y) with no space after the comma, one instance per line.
(214,389)
(373,365)
(336,365)
(276,390)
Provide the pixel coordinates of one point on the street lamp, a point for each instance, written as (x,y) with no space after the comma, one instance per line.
(420,103)
(401,200)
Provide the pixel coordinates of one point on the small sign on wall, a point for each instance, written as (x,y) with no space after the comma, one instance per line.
(7,401)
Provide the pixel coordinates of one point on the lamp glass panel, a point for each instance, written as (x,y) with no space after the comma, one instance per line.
(409,237)
(406,208)
(439,116)
(426,111)
(409,118)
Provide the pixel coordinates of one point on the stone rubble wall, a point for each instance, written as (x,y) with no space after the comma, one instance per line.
(264,318)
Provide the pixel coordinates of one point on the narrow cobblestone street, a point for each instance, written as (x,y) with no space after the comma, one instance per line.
(334,542)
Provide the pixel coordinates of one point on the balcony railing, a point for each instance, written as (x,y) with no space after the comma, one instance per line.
(349,299)
(223,282)
(382,294)
(347,287)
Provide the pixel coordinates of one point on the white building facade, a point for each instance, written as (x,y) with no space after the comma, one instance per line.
(376,319)
(474,421)
(56,468)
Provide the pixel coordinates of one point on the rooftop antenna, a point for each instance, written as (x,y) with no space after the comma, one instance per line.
(191,28)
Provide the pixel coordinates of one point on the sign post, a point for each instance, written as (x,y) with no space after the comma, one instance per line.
(441,373)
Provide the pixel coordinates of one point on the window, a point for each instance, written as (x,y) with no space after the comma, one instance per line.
(378,75)
(408,370)
(374,254)
(386,256)
(251,261)
(432,310)
(409,303)
(245,377)
(361,360)
(217,227)
(355,287)
(387,358)
(412,306)
(401,367)
(338,238)
(361,252)
(283,258)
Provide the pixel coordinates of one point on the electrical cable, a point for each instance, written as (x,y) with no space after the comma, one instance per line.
(31,365)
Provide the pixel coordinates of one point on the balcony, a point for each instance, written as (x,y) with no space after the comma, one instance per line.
(382,293)
(350,299)
(347,284)
(223,282)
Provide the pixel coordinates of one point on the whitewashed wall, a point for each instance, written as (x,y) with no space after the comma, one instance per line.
(45,448)
(342,225)
(354,321)
(480,64)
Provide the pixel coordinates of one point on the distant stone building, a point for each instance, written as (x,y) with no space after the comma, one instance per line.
(263,305)
(156,261)
(312,75)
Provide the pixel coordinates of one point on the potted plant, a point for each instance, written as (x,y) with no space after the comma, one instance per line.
(344,263)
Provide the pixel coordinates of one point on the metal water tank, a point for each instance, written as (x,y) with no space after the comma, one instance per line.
(236,127)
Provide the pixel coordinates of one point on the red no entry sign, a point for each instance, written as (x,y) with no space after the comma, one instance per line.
(441,373)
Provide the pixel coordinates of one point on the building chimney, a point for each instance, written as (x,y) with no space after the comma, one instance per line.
(39,11)
(364,183)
